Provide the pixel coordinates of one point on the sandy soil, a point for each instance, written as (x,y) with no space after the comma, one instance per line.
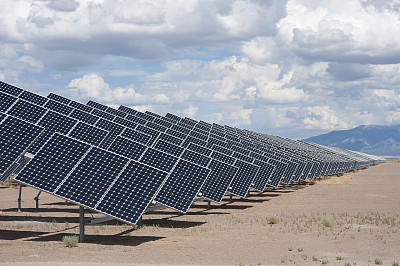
(362,207)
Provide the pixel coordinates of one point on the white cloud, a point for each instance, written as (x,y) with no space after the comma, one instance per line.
(323,117)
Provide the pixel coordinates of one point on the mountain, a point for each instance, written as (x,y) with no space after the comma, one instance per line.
(376,140)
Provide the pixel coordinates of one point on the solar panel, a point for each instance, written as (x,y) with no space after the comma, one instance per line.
(156,127)
(217,183)
(222,157)
(2,116)
(33,98)
(91,178)
(153,133)
(10,89)
(96,105)
(199,135)
(136,136)
(182,185)
(243,178)
(159,160)
(176,134)
(59,98)
(196,158)
(264,174)
(103,115)
(127,110)
(43,138)
(132,192)
(15,137)
(81,106)
(57,122)
(110,126)
(170,139)
(6,101)
(223,150)
(58,107)
(15,168)
(168,148)
(199,149)
(88,133)
(136,119)
(174,117)
(53,163)
(127,148)
(105,144)
(144,116)
(125,122)
(83,116)
(194,140)
(152,114)
(161,121)
(183,130)
(27,111)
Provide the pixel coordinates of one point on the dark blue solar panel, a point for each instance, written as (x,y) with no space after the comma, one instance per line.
(2,116)
(15,168)
(105,144)
(52,164)
(144,116)
(136,119)
(183,130)
(199,149)
(98,106)
(153,133)
(110,126)
(199,135)
(152,114)
(189,121)
(159,160)
(171,139)
(15,91)
(174,117)
(132,192)
(88,133)
(218,133)
(125,122)
(264,174)
(136,136)
(213,141)
(218,181)
(202,127)
(182,186)
(240,150)
(81,106)
(59,98)
(222,157)
(277,176)
(242,157)
(243,178)
(58,107)
(127,110)
(194,140)
(156,127)
(115,112)
(103,115)
(15,137)
(83,116)
(33,98)
(176,134)
(6,101)
(56,122)
(43,138)
(92,177)
(27,111)
(223,150)
(162,122)
(182,124)
(288,174)
(127,148)
(168,148)
(196,158)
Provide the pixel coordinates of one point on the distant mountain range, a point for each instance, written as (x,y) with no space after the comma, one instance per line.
(376,140)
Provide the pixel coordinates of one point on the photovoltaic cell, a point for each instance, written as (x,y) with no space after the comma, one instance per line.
(57,122)
(199,149)
(153,133)
(6,101)
(127,148)
(217,183)
(83,116)
(183,130)
(125,122)
(81,106)
(194,140)
(170,139)
(53,163)
(127,110)
(33,98)
(59,98)
(102,114)
(162,122)
(223,158)
(168,148)
(15,137)
(136,119)
(27,111)
(88,133)
(91,178)
(182,186)
(132,192)
(174,117)
(136,136)
(196,158)
(145,116)
(243,178)
(159,160)
(199,135)
(15,91)
(110,126)
(176,134)
(152,114)
(58,107)
(96,105)
(43,138)
(2,116)
(156,127)
(264,174)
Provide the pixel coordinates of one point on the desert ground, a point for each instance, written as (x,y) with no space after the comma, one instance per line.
(351,219)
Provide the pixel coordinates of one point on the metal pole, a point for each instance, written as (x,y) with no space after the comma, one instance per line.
(208,205)
(81,225)
(19,197)
(37,200)
(230,198)
(140,222)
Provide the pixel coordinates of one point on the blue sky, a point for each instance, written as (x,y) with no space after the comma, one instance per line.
(293,68)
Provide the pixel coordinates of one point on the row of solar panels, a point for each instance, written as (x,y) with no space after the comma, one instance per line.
(120,161)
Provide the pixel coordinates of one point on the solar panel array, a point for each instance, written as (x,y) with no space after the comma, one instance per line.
(118,162)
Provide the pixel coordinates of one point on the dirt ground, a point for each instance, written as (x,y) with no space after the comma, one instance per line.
(353,218)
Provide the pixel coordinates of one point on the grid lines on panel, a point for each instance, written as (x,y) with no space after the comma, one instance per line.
(83,116)
(265,172)
(6,101)
(132,192)
(81,106)
(10,89)
(102,114)
(53,163)
(58,98)
(243,178)
(88,133)
(127,148)
(33,98)
(58,107)
(91,177)
(182,185)
(57,122)
(27,111)
(168,148)
(196,158)
(159,160)
(136,136)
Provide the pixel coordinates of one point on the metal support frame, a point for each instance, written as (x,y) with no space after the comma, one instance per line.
(37,199)
(208,205)
(19,197)
(230,198)
(81,224)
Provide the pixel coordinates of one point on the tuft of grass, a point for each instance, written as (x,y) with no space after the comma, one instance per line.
(304,257)
(378,262)
(70,241)
(339,258)
(299,249)
(347,264)
(290,249)
(324,262)
(326,222)
(314,258)
(395,263)
(273,219)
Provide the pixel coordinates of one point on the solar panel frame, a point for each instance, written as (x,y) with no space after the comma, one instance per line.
(27,111)
(59,98)
(168,147)
(158,159)
(84,116)
(58,107)
(33,98)
(10,89)
(127,148)
(88,133)
(243,179)
(6,101)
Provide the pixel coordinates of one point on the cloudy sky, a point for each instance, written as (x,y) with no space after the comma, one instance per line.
(293,68)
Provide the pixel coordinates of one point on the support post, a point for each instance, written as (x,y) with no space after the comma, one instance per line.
(66,202)
(230,198)
(37,200)
(208,205)
(19,197)
(140,222)
(81,225)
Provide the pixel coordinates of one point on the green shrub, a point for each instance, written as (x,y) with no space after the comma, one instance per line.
(378,262)
(70,241)
(326,222)
(273,219)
